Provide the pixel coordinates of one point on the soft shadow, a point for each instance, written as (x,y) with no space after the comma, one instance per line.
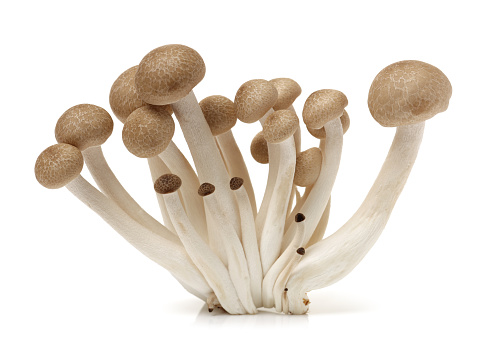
(331,302)
(265,317)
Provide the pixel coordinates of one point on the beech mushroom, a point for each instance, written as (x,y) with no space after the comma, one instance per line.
(60,165)
(259,148)
(403,95)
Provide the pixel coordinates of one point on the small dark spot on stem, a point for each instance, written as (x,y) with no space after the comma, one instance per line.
(285,289)
(299,217)
(301,251)
(236,183)
(206,189)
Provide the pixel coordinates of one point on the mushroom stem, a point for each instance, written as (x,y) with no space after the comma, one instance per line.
(193,204)
(316,202)
(203,257)
(110,185)
(273,228)
(297,134)
(282,280)
(319,232)
(237,264)
(335,256)
(281,263)
(166,253)
(236,165)
(205,153)
(250,243)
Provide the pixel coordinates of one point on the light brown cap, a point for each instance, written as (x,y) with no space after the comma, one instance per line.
(58,165)
(408,92)
(236,183)
(308,165)
(168,73)
(322,107)
(259,149)
(167,183)
(206,189)
(320,133)
(253,99)
(287,91)
(219,112)
(280,125)
(148,131)
(84,126)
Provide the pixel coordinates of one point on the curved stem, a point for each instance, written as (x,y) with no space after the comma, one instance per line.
(335,256)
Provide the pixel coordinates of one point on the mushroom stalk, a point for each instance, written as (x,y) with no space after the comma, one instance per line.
(280,285)
(316,202)
(203,257)
(335,256)
(166,253)
(110,185)
(236,165)
(320,229)
(205,153)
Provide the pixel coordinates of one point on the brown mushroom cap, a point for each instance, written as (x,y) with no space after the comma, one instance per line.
(320,132)
(148,131)
(58,165)
(206,189)
(308,165)
(259,148)
(168,73)
(253,99)
(408,92)
(280,125)
(84,126)
(323,106)
(167,183)
(219,112)
(236,183)
(287,91)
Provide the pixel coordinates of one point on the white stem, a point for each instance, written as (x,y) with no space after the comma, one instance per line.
(319,232)
(166,253)
(273,230)
(158,168)
(291,200)
(193,204)
(281,282)
(335,256)
(206,156)
(250,245)
(297,134)
(237,264)
(211,267)
(280,264)
(316,202)
(109,185)
(236,165)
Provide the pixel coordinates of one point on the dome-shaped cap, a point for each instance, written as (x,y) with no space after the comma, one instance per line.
(259,148)
(168,73)
(219,112)
(320,133)
(84,126)
(58,165)
(253,99)
(148,131)
(123,97)
(408,92)
(167,183)
(287,91)
(308,165)
(280,125)
(322,107)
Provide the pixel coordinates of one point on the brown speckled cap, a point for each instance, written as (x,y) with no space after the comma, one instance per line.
(320,133)
(168,73)
(219,112)
(253,99)
(280,125)
(236,183)
(58,165)
(148,131)
(288,91)
(308,166)
(84,126)
(322,107)
(259,148)
(206,189)
(167,183)
(408,92)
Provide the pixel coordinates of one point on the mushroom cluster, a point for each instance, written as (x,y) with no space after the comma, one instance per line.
(224,247)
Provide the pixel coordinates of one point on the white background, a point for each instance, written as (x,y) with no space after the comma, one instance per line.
(68,282)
